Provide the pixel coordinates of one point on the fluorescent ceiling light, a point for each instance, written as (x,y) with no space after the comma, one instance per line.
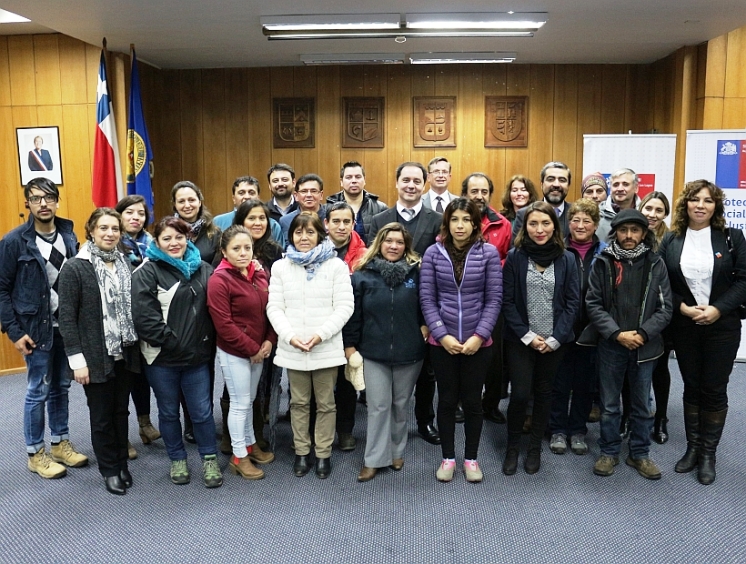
(440,58)
(338,22)
(483,21)
(353,59)
(10,17)
(281,36)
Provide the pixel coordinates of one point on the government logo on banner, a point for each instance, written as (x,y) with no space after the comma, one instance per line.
(730,166)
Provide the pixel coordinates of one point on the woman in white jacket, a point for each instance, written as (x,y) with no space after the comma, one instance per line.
(310,300)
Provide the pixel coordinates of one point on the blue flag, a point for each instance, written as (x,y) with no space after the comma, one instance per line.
(139,153)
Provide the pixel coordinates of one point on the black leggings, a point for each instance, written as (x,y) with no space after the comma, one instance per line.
(460,378)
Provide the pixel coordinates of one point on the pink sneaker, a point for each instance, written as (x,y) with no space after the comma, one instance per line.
(445,472)
(472,471)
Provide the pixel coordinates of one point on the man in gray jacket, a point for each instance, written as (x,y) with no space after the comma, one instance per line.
(629,304)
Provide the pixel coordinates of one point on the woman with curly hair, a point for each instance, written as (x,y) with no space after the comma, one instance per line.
(706,264)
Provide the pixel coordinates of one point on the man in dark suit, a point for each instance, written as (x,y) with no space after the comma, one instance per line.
(555,184)
(39,159)
(424,226)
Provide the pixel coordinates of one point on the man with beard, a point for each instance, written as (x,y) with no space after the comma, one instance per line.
(478,187)
(31,257)
(555,184)
(629,304)
(282,184)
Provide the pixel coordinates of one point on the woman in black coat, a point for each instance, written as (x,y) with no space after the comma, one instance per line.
(100,339)
(706,264)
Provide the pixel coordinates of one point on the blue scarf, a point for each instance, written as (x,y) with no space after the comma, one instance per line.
(313,259)
(187,265)
(135,247)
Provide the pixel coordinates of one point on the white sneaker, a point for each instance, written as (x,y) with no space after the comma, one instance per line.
(558,443)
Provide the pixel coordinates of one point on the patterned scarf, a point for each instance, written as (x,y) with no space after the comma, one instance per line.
(187,265)
(312,259)
(194,228)
(135,247)
(623,254)
(393,273)
(116,302)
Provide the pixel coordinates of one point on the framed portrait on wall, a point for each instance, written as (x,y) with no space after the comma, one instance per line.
(39,153)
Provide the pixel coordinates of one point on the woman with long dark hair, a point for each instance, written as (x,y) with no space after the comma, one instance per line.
(189,204)
(100,339)
(460,295)
(541,303)
(133,243)
(706,264)
(237,298)
(519,192)
(387,330)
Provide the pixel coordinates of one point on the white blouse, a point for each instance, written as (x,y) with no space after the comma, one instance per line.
(697,262)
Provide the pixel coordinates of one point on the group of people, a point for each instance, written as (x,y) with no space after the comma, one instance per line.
(574,306)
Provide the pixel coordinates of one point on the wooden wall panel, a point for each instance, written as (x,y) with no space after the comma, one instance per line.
(260,124)
(74,85)
(21,68)
(4,73)
(216,112)
(192,134)
(47,70)
(517,83)
(236,127)
(564,134)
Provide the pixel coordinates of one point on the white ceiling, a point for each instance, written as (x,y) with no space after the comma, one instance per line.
(227,33)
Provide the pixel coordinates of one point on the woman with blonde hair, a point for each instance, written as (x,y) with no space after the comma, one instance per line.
(388,331)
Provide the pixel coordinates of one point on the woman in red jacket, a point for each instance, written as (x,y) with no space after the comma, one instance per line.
(237,299)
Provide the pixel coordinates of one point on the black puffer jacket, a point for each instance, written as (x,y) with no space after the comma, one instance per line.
(385,326)
(183,336)
(370,207)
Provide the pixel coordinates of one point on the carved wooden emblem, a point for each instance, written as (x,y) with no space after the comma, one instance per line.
(363,123)
(505,121)
(434,121)
(294,123)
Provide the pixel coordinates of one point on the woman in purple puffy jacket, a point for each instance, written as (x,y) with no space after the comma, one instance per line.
(460,295)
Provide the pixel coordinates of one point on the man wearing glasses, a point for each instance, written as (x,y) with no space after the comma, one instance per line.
(309,193)
(31,257)
(438,177)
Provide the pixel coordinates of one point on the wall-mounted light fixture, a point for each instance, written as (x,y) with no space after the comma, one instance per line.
(353,59)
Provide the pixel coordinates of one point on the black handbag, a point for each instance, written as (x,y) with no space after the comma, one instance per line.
(741,309)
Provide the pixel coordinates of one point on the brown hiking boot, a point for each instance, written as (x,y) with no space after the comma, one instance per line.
(258,456)
(244,468)
(64,453)
(148,433)
(41,463)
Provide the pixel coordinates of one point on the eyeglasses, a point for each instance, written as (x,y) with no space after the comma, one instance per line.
(440,172)
(312,192)
(48,198)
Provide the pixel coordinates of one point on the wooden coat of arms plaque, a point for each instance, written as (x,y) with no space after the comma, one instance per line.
(506,121)
(434,121)
(363,123)
(294,122)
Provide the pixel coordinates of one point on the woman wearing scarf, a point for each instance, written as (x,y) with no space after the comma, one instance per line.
(189,205)
(133,243)
(460,296)
(388,331)
(237,299)
(99,334)
(541,304)
(177,340)
(310,300)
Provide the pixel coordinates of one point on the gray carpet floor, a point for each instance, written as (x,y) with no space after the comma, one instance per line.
(562,514)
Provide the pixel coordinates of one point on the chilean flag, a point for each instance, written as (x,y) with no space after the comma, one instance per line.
(107,172)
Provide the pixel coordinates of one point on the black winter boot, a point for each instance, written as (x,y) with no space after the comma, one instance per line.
(688,462)
(711,425)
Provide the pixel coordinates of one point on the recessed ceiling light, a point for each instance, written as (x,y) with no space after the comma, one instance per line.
(10,17)
(441,58)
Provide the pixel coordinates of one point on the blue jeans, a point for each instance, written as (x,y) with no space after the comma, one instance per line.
(577,375)
(194,382)
(614,361)
(48,383)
